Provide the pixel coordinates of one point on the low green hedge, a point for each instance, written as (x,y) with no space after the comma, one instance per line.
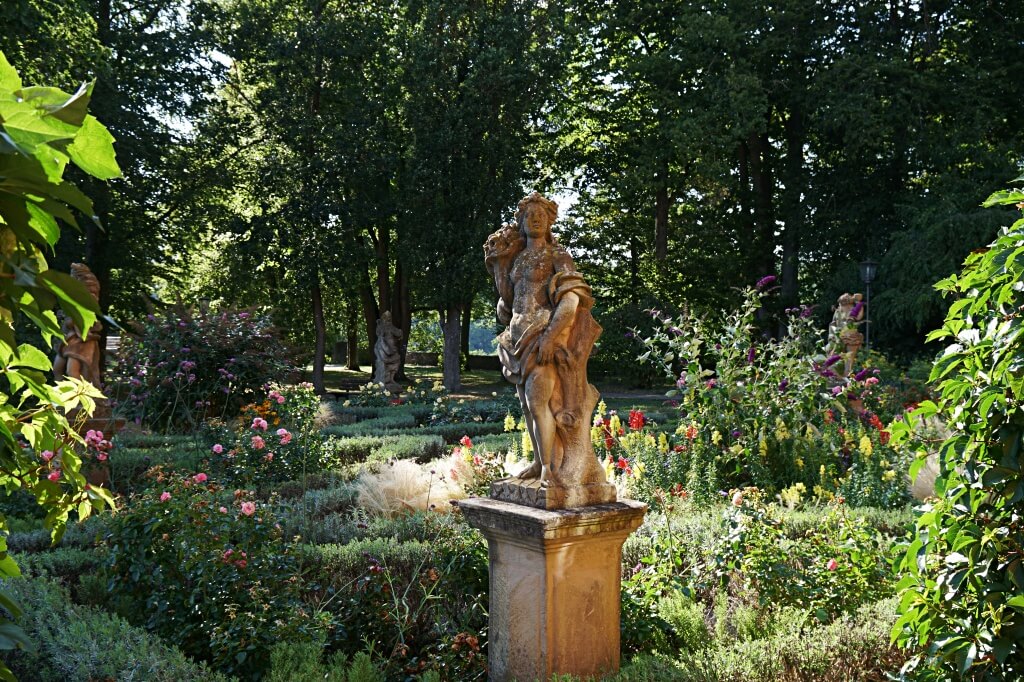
(127,465)
(375,426)
(404,445)
(86,534)
(83,643)
(341,564)
(153,440)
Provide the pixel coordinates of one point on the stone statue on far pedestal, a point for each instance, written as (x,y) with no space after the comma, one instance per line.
(387,351)
(843,335)
(78,354)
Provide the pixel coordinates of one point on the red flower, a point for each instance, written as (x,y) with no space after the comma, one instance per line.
(466,442)
(829,417)
(622,463)
(691,431)
(883,437)
(609,439)
(832,564)
(876,422)
(679,448)
(636,420)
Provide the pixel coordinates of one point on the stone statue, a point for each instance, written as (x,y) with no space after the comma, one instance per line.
(843,337)
(388,352)
(544,352)
(78,355)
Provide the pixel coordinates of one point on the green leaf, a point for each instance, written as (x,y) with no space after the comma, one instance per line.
(71,109)
(29,129)
(74,298)
(10,81)
(93,150)
(32,357)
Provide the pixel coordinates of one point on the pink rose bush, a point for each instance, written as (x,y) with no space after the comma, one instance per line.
(277,439)
(186,540)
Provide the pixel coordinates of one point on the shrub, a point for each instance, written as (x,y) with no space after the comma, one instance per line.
(278,439)
(185,365)
(128,468)
(207,571)
(766,413)
(386,448)
(962,574)
(375,426)
(81,643)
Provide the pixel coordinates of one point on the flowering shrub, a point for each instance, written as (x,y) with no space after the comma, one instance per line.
(425,392)
(208,571)
(373,395)
(461,411)
(276,440)
(767,413)
(186,365)
(832,570)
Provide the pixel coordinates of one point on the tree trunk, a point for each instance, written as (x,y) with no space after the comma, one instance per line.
(661,203)
(320,329)
(353,337)
(451,319)
(795,185)
(370,315)
(467,313)
(401,314)
(764,219)
(634,269)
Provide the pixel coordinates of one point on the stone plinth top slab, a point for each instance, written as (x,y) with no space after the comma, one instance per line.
(534,493)
(550,524)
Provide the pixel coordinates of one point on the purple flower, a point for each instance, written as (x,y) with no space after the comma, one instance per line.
(736,433)
(836,390)
(833,359)
(751,355)
(629,335)
(857,310)
(807,311)
(828,374)
(861,375)
(783,385)
(676,331)
(764,282)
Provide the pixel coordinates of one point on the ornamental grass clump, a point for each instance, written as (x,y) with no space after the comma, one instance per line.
(184,365)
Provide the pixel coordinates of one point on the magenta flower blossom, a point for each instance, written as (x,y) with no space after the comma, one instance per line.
(861,375)
(751,355)
(833,359)
(200,478)
(765,281)
(54,475)
(259,423)
(783,385)
(218,448)
(164,496)
(47,455)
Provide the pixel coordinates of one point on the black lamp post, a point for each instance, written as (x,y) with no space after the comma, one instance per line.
(868,270)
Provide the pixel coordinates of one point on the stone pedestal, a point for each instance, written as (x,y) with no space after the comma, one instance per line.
(555,586)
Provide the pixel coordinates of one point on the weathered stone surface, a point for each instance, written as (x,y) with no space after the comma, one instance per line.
(533,493)
(387,350)
(554,586)
(544,352)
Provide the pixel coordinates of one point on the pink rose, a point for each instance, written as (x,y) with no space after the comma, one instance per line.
(269,457)
(285,436)
(257,442)
(248,508)
(47,455)
(737,498)
(164,496)
(280,400)
(101,456)
(871,381)
(223,510)
(832,564)
(218,448)
(259,423)
(54,475)
(199,478)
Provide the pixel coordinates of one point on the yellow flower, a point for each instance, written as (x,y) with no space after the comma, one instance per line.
(662,442)
(609,467)
(716,437)
(762,447)
(865,446)
(799,463)
(889,475)
(527,445)
(510,422)
(601,409)
(615,424)
(736,449)
(638,469)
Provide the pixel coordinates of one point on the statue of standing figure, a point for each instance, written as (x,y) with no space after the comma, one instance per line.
(544,352)
(843,337)
(387,351)
(78,354)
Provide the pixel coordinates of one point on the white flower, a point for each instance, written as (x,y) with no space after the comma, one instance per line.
(347,403)
(387,393)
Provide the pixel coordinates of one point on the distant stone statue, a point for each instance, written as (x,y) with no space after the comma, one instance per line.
(544,352)
(843,337)
(388,352)
(78,355)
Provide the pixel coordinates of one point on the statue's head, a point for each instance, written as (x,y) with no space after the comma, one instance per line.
(83,274)
(386,316)
(535,215)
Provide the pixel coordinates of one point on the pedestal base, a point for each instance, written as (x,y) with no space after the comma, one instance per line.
(555,584)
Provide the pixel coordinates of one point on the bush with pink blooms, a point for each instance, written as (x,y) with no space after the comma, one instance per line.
(208,570)
(276,439)
(183,365)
